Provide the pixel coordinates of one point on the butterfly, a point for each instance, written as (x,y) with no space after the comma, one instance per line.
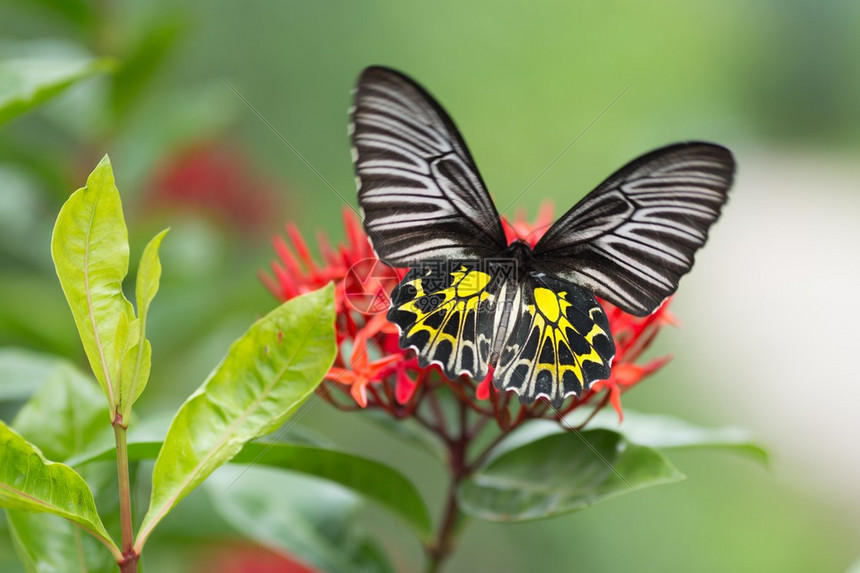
(470,300)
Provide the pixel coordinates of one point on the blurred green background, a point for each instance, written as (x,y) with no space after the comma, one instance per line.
(767,316)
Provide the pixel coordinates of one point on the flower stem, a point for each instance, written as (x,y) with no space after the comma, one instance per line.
(130,556)
(452,517)
(442,546)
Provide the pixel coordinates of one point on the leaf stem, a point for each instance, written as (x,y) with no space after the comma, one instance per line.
(130,556)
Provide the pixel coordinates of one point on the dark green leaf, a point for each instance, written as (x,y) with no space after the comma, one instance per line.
(653,430)
(143,450)
(667,432)
(79,12)
(304,518)
(267,374)
(560,473)
(66,415)
(373,480)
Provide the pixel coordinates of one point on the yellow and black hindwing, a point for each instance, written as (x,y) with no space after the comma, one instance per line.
(444,314)
(559,345)
(546,338)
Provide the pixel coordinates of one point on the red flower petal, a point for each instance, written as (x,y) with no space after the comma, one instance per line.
(615,400)
(359,393)
(405,387)
(482,392)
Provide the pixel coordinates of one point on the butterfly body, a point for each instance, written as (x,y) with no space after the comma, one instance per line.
(471,300)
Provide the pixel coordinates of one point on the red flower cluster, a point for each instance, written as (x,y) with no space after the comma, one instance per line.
(375,372)
(218,181)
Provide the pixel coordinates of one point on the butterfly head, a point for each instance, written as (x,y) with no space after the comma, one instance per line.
(520,251)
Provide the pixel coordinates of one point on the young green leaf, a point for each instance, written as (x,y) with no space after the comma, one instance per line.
(265,377)
(27,82)
(137,360)
(29,482)
(560,473)
(90,251)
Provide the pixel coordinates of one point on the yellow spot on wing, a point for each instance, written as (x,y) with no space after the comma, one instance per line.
(462,297)
(472,283)
(547,303)
(595,331)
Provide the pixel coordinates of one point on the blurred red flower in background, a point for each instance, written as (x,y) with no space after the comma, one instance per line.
(219,181)
(374,372)
(247,558)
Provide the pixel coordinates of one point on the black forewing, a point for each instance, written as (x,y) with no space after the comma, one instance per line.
(420,191)
(631,239)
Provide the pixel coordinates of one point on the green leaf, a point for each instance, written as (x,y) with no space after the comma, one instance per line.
(304,518)
(652,430)
(267,374)
(373,480)
(50,544)
(90,251)
(66,415)
(137,361)
(148,275)
(135,372)
(669,433)
(31,483)
(143,60)
(27,82)
(46,543)
(560,473)
(79,12)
